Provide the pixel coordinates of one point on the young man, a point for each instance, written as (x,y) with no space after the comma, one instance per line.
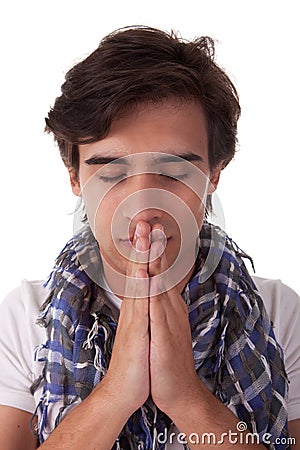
(150,325)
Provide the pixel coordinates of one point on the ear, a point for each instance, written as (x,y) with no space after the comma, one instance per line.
(214,178)
(74,181)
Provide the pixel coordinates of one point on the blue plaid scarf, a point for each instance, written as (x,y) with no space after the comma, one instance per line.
(234,347)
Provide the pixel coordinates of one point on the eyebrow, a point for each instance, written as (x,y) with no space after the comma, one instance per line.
(188,156)
(165,158)
(98,159)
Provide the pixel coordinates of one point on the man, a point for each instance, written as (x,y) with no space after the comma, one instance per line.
(150,323)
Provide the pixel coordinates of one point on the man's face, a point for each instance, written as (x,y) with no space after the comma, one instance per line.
(152,167)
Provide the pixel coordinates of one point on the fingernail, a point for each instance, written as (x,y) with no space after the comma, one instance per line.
(158,235)
(138,230)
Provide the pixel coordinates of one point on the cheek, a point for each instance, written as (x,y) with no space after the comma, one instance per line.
(103,218)
(102,229)
(197,206)
(100,206)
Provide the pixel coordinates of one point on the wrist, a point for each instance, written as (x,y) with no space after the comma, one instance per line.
(185,399)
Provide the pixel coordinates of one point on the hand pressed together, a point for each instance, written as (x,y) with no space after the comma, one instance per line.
(128,375)
(152,353)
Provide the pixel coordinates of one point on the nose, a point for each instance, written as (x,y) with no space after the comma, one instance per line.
(143,199)
(141,181)
(150,215)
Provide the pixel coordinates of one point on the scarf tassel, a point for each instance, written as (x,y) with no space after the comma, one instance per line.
(91,341)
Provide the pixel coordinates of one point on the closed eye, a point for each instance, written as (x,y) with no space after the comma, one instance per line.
(123,176)
(114,179)
(174,177)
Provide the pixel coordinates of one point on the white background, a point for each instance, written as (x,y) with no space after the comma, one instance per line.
(258,44)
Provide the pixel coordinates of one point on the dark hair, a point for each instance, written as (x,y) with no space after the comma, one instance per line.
(136,65)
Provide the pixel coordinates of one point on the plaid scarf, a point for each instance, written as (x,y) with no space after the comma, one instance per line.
(234,347)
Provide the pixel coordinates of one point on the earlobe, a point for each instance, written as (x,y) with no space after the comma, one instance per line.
(74,181)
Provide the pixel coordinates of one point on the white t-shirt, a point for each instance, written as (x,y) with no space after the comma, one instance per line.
(19,336)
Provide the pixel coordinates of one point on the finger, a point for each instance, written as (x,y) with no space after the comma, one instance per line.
(168,315)
(142,229)
(137,280)
(160,305)
(140,304)
(140,243)
(157,233)
(159,320)
(160,277)
(162,309)
(135,306)
(158,269)
(142,285)
(138,258)
(155,254)
(158,243)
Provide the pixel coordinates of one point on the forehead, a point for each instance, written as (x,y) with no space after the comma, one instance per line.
(170,128)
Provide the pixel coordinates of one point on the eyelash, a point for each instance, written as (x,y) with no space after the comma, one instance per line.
(112,179)
(123,177)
